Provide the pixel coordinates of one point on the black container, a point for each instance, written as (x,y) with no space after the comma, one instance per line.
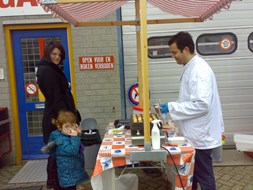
(90,137)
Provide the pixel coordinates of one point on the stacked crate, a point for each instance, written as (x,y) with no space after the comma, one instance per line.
(4,131)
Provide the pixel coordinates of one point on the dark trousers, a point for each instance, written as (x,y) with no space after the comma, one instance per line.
(203,170)
(52,176)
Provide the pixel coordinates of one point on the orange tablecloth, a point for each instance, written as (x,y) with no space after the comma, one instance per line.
(115,151)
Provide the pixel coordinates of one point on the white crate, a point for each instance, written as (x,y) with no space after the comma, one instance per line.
(243,142)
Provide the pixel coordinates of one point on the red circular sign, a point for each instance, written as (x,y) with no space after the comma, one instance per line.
(226,44)
(31,88)
(133,94)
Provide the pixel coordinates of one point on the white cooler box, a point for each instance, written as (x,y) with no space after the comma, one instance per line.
(243,142)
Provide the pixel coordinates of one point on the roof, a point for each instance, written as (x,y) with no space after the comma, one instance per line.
(80,11)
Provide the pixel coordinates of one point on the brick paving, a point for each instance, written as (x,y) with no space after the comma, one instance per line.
(234,177)
(227,178)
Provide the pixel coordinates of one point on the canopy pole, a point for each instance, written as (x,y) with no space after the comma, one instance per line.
(144,71)
(138,44)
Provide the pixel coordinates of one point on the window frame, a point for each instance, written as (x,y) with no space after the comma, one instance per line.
(157,37)
(217,34)
(250,35)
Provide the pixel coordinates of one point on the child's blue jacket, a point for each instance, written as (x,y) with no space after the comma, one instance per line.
(70,161)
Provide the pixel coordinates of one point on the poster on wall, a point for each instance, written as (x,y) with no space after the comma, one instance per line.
(20,7)
(96,62)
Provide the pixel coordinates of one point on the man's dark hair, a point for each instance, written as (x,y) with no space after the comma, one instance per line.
(183,39)
(50,47)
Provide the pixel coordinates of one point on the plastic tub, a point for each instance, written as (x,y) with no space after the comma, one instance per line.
(244,142)
(217,154)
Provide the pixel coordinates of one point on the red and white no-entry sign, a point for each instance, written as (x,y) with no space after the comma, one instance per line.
(31,88)
(133,94)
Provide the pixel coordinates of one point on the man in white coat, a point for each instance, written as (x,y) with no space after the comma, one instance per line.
(197,110)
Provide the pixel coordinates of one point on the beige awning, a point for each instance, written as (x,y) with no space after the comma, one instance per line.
(80,11)
(202,9)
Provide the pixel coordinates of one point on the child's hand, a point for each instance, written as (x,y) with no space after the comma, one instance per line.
(71,129)
(77,129)
(72,132)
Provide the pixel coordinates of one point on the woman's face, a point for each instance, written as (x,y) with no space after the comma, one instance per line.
(55,56)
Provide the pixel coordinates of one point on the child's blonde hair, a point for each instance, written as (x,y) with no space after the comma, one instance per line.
(64,117)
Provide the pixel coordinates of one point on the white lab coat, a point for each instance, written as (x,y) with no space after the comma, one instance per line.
(198,108)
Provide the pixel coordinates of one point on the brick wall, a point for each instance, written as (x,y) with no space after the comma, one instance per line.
(5,99)
(98,91)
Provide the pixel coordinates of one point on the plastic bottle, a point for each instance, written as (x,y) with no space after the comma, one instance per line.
(155,135)
(165,119)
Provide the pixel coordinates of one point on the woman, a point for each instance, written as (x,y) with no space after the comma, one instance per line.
(55,87)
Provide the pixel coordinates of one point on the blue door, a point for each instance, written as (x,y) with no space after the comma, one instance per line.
(28,46)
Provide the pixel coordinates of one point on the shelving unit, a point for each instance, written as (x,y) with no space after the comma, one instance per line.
(4,132)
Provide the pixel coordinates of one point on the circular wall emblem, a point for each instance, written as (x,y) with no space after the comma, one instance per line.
(31,88)
(226,44)
(133,94)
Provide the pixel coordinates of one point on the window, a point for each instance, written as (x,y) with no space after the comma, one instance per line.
(250,42)
(158,47)
(216,44)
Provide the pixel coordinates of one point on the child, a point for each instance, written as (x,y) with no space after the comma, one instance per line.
(68,151)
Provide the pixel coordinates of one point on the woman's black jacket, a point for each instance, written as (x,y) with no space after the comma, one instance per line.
(55,88)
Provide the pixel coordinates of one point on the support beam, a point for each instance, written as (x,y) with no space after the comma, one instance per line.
(138,44)
(137,23)
(144,67)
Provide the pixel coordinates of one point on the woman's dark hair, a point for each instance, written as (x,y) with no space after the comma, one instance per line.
(183,39)
(50,47)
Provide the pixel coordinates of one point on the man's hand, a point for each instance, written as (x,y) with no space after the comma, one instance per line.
(164,108)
